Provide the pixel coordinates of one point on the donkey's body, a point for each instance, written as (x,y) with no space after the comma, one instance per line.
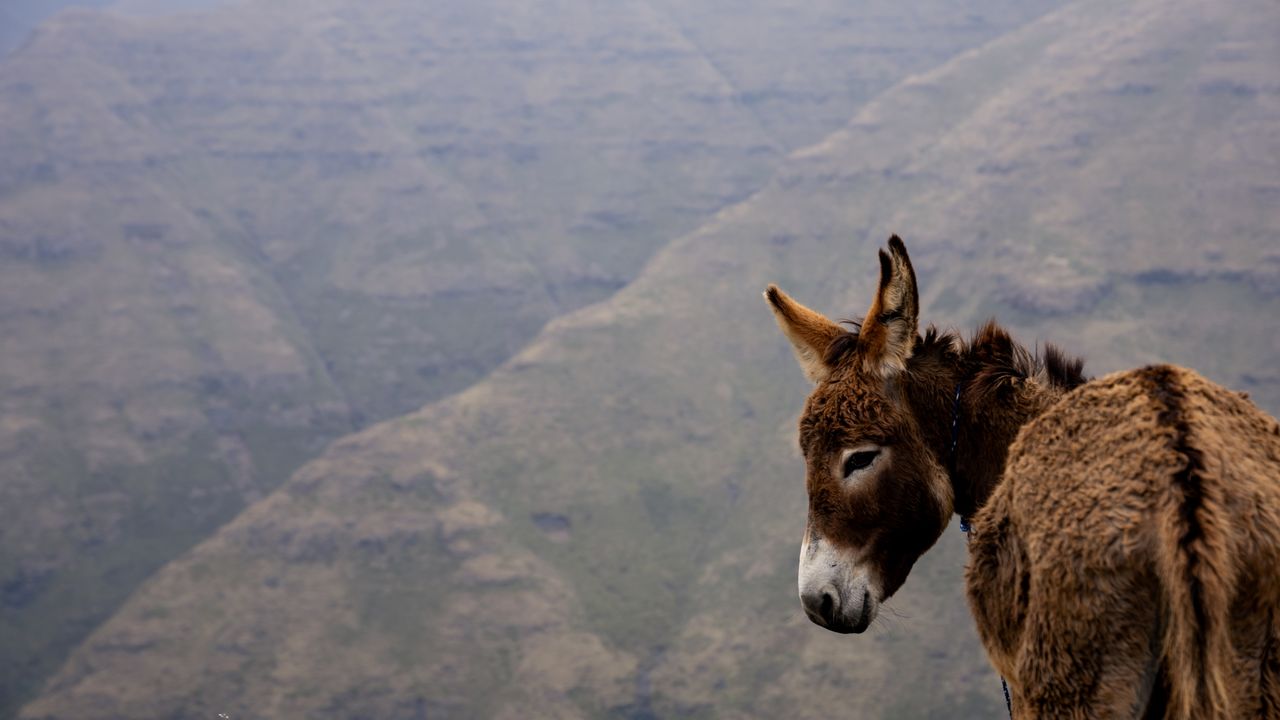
(1127,563)
(1129,557)
(1126,544)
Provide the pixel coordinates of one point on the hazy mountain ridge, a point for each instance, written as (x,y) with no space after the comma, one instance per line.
(229,237)
(607,525)
(18,18)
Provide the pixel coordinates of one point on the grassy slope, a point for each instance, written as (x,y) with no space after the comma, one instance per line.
(229,237)
(606,526)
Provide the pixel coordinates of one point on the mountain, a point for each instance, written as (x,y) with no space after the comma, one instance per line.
(18,17)
(606,526)
(229,237)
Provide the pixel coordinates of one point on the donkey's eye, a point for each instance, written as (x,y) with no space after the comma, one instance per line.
(858,461)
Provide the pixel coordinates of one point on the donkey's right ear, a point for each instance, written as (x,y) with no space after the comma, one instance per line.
(809,332)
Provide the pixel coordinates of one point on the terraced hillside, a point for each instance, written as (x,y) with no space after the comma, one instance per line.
(606,526)
(227,237)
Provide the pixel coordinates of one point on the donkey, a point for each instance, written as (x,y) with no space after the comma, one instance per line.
(1125,544)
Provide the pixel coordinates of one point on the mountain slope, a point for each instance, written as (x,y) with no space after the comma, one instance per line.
(18,17)
(607,525)
(228,237)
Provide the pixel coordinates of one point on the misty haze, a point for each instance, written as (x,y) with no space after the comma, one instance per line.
(393,359)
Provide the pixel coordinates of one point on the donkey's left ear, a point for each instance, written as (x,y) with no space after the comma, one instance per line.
(889,331)
(810,333)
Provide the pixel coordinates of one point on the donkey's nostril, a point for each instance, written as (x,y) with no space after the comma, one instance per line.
(822,605)
(828,609)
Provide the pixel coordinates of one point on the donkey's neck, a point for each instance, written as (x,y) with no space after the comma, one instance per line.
(987,424)
(1002,387)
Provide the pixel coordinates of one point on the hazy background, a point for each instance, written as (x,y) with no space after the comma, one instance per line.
(400,359)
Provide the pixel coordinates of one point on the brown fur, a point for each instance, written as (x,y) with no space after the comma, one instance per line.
(1125,557)
(1131,553)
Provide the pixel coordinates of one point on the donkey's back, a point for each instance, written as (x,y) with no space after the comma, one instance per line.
(1129,563)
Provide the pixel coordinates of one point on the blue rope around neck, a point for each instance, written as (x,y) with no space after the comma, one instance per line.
(955,440)
(964,521)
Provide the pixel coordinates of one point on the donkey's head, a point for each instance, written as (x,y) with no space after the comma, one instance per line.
(879,495)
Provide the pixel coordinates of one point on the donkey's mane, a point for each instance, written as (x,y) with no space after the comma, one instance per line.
(1000,363)
(997,362)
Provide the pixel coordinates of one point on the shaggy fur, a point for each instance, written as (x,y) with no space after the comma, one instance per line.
(1125,554)
(1130,557)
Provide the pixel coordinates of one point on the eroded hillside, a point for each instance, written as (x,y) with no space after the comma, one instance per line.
(228,237)
(607,524)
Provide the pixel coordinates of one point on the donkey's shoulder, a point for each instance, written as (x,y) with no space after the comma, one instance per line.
(1086,472)
(1120,410)
(1146,411)
(1095,462)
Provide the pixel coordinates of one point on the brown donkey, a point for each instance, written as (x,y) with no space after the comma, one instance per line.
(1125,552)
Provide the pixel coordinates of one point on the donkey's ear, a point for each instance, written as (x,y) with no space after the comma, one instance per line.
(889,330)
(809,332)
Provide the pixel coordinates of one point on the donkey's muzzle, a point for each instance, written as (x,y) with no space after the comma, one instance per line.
(826,607)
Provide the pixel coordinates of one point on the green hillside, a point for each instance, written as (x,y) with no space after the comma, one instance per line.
(228,237)
(606,526)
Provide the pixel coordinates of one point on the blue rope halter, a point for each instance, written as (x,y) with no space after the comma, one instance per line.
(964,521)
